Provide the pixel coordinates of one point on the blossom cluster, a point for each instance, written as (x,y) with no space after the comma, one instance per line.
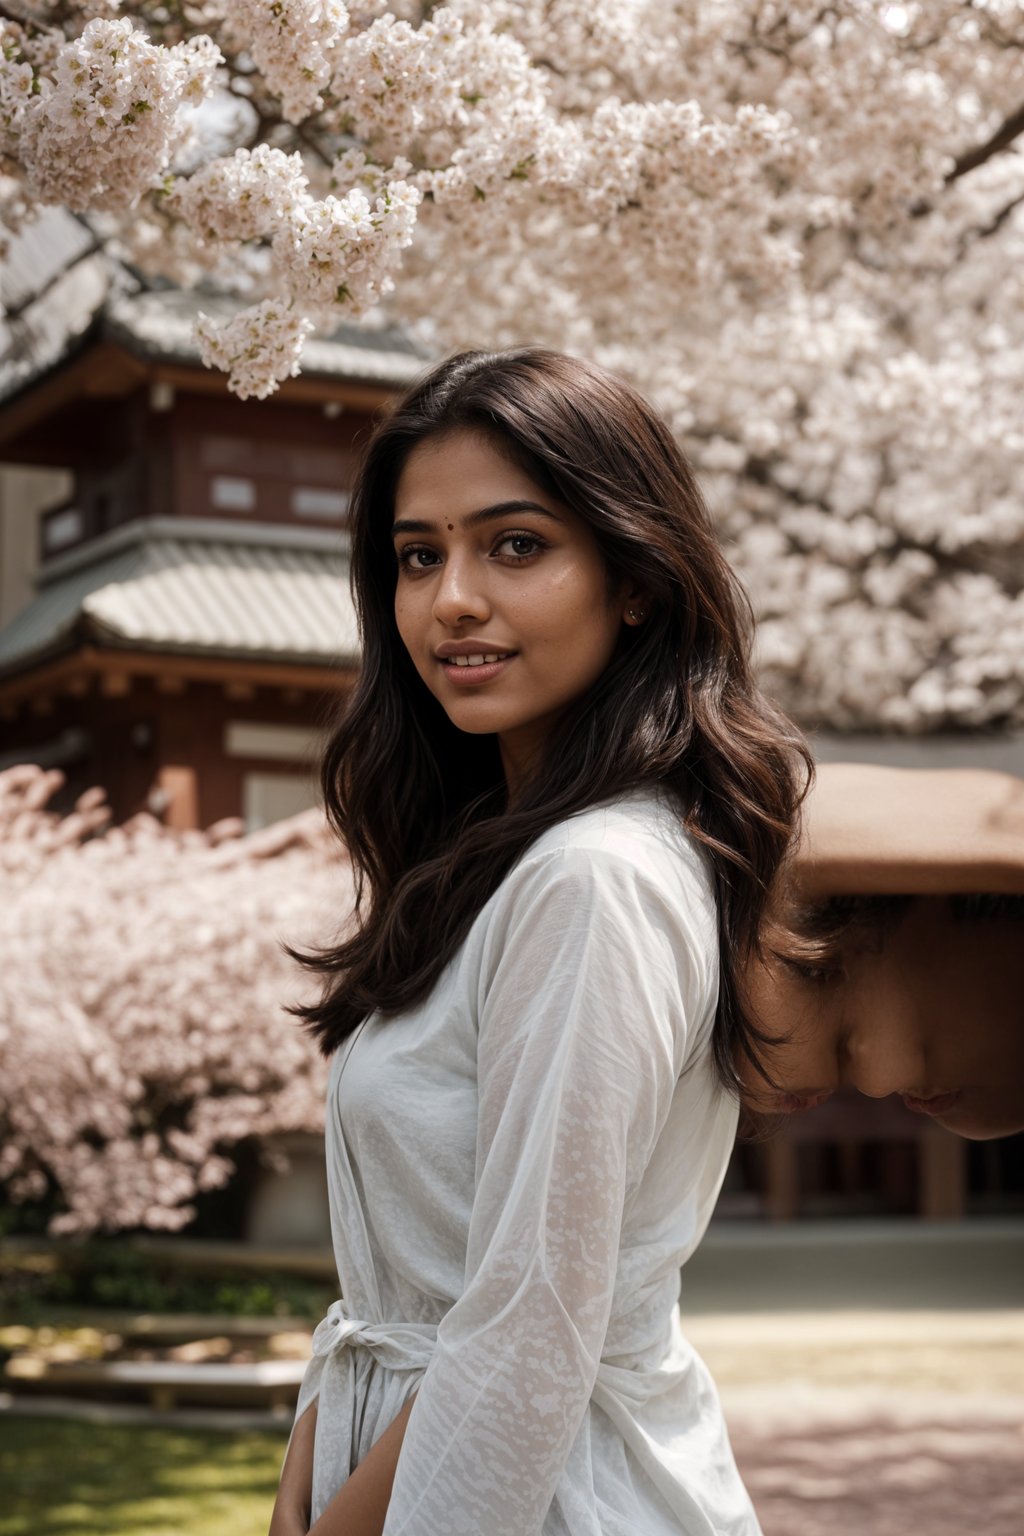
(257,348)
(437,91)
(100,129)
(141,1020)
(244,196)
(335,255)
(293,44)
(339,251)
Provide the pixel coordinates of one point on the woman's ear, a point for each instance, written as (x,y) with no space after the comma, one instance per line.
(636,603)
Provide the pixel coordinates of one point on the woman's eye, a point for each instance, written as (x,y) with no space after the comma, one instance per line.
(416,557)
(520,539)
(798,1104)
(407,557)
(818,973)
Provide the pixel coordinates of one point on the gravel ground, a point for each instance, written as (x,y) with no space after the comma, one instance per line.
(875,1424)
(902,1465)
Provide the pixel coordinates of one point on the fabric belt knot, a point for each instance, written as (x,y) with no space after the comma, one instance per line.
(399,1346)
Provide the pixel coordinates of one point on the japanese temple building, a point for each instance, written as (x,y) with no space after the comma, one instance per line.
(191,619)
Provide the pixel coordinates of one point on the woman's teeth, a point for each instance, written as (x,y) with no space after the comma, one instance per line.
(477,661)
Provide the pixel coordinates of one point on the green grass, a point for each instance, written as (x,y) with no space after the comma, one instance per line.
(61,1477)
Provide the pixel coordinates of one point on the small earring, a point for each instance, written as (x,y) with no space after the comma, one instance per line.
(636,617)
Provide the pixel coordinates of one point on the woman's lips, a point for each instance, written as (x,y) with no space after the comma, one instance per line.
(793,1103)
(482,673)
(938,1104)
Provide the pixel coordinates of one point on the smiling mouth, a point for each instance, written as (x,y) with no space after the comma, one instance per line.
(793,1103)
(938,1104)
(477,661)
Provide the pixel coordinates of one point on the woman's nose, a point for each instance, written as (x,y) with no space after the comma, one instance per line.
(459,593)
(885,1056)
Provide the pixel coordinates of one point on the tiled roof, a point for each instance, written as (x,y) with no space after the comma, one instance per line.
(64,288)
(187,586)
(54,282)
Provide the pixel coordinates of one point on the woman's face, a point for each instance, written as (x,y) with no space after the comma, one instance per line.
(491,565)
(929,1009)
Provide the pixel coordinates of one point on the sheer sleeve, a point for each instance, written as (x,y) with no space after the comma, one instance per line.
(592,975)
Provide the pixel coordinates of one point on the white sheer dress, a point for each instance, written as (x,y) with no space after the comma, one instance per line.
(518,1167)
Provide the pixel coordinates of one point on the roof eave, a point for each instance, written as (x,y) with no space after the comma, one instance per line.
(93,654)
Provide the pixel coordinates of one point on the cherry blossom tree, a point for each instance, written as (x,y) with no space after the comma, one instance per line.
(797,226)
(142,1027)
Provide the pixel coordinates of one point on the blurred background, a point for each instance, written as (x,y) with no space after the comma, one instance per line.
(175,628)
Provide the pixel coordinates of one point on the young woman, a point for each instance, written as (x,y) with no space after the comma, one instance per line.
(908,890)
(564,800)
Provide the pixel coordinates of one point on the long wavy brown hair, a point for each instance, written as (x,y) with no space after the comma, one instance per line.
(422,806)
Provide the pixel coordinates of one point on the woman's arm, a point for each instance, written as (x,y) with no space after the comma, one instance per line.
(871,831)
(589,987)
(360,1506)
(295,1489)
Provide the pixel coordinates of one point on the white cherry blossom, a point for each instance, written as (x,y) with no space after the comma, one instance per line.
(293,44)
(103,129)
(799,229)
(257,348)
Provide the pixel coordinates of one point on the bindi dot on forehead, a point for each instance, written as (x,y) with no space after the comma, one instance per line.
(450,527)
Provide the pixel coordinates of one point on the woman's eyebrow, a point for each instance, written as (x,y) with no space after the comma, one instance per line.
(472,519)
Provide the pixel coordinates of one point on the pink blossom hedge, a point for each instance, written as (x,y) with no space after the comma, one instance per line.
(142,1028)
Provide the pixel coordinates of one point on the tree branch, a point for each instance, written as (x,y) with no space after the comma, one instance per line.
(313,145)
(994,225)
(21,15)
(1003,137)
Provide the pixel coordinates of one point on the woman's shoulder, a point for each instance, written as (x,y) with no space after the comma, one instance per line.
(642,829)
(626,875)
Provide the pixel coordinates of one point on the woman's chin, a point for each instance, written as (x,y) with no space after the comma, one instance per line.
(477,717)
(981,1122)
